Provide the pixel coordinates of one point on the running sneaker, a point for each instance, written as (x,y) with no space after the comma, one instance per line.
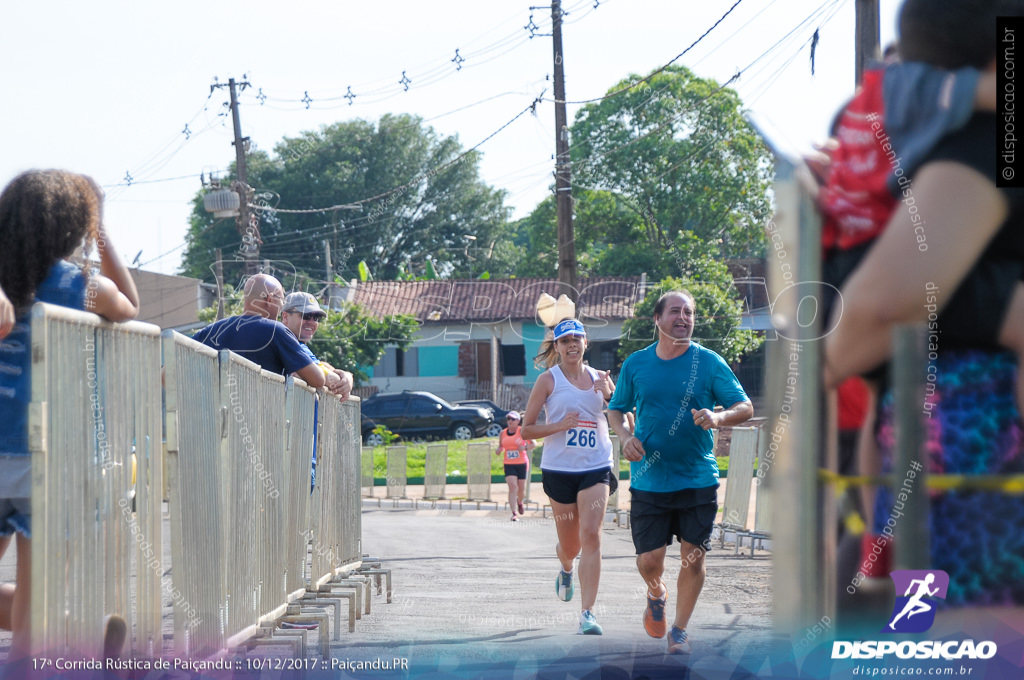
(522,510)
(654,616)
(678,642)
(588,624)
(564,586)
(514,518)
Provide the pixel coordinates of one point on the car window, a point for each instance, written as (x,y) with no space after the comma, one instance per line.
(389,407)
(418,406)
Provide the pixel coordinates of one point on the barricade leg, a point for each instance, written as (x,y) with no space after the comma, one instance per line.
(372,566)
(310,602)
(359,581)
(295,615)
(325,593)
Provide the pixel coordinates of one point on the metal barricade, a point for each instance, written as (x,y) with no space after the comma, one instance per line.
(348,503)
(435,471)
(478,471)
(397,471)
(244,451)
(95,396)
(801,567)
(736,509)
(366,471)
(199,509)
(303,415)
(336,529)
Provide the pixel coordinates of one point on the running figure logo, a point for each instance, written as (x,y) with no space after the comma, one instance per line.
(912,613)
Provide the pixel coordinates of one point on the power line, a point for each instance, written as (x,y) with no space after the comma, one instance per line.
(662,68)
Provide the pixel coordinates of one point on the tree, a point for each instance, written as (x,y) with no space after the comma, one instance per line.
(719,308)
(349,338)
(678,151)
(427,198)
(667,157)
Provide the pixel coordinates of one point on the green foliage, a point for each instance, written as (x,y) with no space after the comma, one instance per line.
(430,198)
(669,157)
(352,339)
(719,308)
(679,150)
(349,338)
(386,435)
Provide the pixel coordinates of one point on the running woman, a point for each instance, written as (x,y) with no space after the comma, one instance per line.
(577,460)
(517,462)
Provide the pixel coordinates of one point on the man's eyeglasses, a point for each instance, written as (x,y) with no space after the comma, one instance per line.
(310,316)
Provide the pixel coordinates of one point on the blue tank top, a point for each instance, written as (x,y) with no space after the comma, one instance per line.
(65,286)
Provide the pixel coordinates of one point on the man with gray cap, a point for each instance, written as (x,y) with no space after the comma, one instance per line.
(302,315)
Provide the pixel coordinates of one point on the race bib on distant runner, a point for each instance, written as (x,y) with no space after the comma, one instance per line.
(583,436)
(511,454)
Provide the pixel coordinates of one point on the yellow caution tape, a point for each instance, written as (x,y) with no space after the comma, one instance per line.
(1007,484)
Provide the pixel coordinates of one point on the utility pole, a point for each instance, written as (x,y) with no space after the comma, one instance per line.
(219,272)
(563,168)
(867,35)
(246,223)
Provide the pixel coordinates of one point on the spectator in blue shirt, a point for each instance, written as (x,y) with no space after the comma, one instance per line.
(256,334)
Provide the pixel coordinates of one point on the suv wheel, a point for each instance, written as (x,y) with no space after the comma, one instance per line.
(374,439)
(462,432)
(494,429)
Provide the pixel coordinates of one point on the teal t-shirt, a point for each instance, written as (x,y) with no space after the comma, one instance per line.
(679,455)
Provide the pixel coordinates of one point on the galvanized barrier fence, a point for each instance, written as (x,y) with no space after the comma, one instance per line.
(95,397)
(478,471)
(198,508)
(251,534)
(435,471)
(366,471)
(736,509)
(397,471)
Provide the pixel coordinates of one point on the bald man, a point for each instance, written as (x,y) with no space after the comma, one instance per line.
(256,334)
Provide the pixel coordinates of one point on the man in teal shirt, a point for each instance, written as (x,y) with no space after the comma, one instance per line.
(674,386)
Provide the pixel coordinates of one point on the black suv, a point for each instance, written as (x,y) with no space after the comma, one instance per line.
(421,414)
(498,413)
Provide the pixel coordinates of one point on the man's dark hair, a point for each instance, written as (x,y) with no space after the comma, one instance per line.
(952,34)
(659,306)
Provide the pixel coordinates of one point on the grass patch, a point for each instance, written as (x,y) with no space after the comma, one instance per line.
(416,456)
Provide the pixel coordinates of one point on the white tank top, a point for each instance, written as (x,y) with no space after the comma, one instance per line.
(585,447)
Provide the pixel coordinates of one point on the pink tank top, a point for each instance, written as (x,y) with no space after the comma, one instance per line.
(514,447)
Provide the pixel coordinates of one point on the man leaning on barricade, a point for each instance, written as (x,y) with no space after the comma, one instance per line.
(302,315)
(256,335)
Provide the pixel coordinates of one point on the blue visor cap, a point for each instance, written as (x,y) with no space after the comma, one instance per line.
(569,327)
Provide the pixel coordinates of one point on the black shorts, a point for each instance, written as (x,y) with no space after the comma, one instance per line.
(562,487)
(688,514)
(516,470)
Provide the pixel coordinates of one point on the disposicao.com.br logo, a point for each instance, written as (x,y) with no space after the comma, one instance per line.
(914,612)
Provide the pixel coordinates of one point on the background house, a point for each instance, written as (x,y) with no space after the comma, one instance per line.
(172,301)
(474,332)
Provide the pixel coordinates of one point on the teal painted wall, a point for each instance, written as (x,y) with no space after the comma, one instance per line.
(533,337)
(439,361)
